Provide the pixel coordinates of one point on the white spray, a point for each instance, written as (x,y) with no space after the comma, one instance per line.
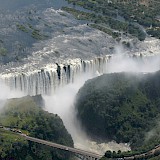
(6,93)
(62,101)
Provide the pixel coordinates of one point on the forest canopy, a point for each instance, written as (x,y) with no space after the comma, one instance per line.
(26,114)
(123,107)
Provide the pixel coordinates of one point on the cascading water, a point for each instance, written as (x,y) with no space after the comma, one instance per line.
(53,76)
(54,67)
(59,83)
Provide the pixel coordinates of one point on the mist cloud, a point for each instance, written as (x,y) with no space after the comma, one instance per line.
(7,93)
(62,102)
(155,132)
(122,62)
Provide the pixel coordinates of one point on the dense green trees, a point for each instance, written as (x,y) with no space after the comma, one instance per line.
(26,114)
(121,107)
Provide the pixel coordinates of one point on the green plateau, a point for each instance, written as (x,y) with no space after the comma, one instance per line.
(27,114)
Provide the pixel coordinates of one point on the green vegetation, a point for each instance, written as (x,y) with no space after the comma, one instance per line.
(155,32)
(37,35)
(106,30)
(3,51)
(22,28)
(27,115)
(122,107)
(155,158)
(34,33)
(108,12)
(100,22)
(137,155)
(11,143)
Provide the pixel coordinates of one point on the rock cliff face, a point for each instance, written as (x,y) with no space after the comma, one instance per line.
(27,115)
(120,106)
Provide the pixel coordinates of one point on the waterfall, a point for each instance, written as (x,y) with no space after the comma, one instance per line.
(47,79)
(51,80)
(50,77)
